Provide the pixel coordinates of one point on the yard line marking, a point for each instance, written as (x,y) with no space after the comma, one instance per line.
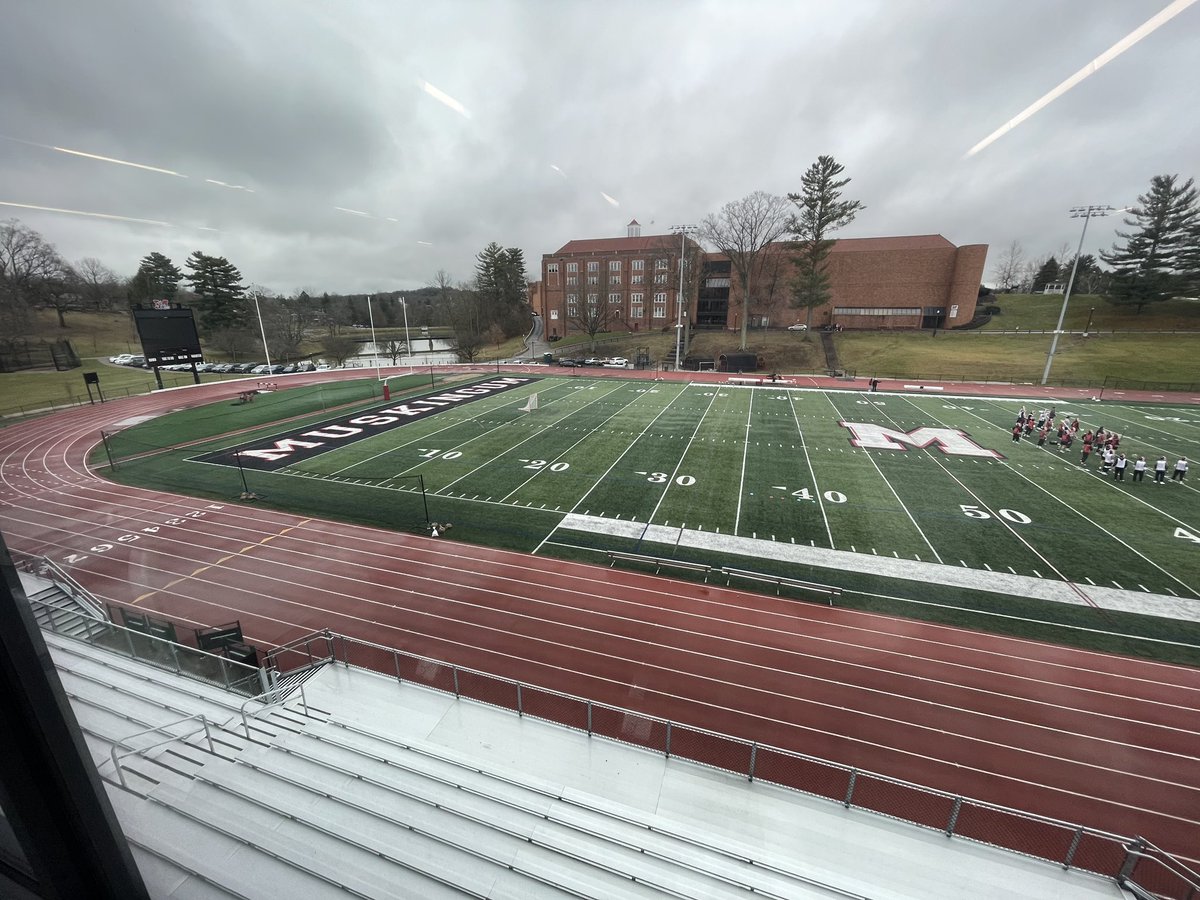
(1114,582)
(737,518)
(613,465)
(682,457)
(924,537)
(558,458)
(1089,581)
(986,566)
(1093,522)
(812,471)
(1144,588)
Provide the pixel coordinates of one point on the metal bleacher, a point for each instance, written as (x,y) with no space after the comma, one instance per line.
(350,784)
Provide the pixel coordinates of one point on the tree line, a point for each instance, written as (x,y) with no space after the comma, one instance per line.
(33,275)
(1157,257)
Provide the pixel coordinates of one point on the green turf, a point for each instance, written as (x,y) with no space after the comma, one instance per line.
(674,455)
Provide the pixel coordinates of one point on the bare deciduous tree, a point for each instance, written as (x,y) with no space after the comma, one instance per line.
(1009,268)
(28,268)
(742,230)
(98,286)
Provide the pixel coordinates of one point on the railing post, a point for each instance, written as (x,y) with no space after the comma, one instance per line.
(753,759)
(520,704)
(308,651)
(224,672)
(129,641)
(175,658)
(396,661)
(668,745)
(304,701)
(1133,853)
(850,788)
(208,734)
(589,712)
(1074,846)
(454,669)
(953,816)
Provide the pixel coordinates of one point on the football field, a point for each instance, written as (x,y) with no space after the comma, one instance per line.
(839,488)
(780,465)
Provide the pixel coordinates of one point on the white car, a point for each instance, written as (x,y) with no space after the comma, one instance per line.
(799,326)
(616,362)
(122,360)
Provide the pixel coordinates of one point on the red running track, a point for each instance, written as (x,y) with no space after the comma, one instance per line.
(1105,741)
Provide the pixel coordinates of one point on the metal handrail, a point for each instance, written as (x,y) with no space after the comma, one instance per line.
(754,750)
(116,758)
(305,641)
(77,592)
(271,705)
(225,663)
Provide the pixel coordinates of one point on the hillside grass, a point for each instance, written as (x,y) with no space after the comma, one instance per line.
(1040,312)
(1020,358)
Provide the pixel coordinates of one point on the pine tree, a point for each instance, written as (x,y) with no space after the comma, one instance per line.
(218,284)
(1159,259)
(157,278)
(821,212)
(1047,273)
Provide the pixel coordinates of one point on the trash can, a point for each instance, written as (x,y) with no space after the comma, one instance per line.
(548,358)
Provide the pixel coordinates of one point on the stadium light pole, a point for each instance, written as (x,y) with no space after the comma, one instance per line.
(683,231)
(374,343)
(407,343)
(262,330)
(1077,212)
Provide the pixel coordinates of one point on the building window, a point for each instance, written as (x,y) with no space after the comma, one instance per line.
(635,279)
(660,306)
(572,280)
(660,278)
(552,268)
(876,311)
(716,282)
(572,267)
(614,279)
(660,264)
(593,299)
(614,265)
(572,304)
(636,310)
(614,298)
(593,279)
(593,266)
(638,265)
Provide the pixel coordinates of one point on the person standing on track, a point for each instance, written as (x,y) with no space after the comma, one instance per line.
(1139,468)
(1181,468)
(1160,470)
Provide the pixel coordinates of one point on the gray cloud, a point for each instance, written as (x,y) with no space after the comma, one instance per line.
(671,108)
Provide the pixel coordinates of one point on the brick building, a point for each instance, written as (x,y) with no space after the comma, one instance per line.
(631,283)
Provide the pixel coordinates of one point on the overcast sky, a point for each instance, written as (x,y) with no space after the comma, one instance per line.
(669,107)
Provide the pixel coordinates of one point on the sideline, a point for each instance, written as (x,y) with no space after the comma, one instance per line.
(1115,599)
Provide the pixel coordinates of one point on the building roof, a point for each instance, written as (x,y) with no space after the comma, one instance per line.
(619,245)
(666,242)
(901,242)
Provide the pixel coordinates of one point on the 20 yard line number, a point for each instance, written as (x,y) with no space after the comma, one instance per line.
(1009,515)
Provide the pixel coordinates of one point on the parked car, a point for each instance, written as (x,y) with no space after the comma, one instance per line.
(261,369)
(593,361)
(306,367)
(122,360)
(566,361)
(139,361)
(324,367)
(799,326)
(616,362)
